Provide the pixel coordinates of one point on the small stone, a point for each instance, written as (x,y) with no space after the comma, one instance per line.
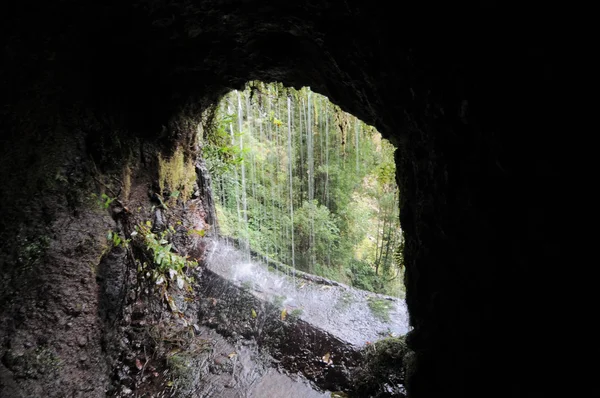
(81,341)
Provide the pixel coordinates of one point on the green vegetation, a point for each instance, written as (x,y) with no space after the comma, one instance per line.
(103,200)
(380,308)
(300,181)
(295,314)
(168,266)
(115,239)
(33,362)
(176,175)
(278,301)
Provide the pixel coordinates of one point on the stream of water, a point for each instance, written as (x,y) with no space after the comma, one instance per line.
(354,316)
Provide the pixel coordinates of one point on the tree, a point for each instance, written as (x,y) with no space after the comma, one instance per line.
(305,183)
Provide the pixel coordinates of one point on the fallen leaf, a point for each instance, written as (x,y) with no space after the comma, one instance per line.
(232,355)
(253,313)
(327,358)
(283,314)
(138,364)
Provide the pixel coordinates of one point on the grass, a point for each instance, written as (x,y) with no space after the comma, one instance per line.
(380,308)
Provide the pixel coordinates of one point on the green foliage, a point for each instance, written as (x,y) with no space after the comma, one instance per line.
(103,200)
(177,175)
(169,267)
(32,363)
(199,232)
(115,239)
(278,301)
(31,251)
(247,285)
(380,308)
(345,222)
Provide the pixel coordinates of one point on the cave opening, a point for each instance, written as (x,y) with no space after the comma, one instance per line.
(298,181)
(305,228)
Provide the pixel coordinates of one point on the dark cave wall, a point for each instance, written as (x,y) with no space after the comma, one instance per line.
(466,91)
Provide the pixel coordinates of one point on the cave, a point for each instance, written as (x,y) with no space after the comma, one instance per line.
(466,91)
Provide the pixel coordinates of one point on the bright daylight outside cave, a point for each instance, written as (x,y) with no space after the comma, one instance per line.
(305,228)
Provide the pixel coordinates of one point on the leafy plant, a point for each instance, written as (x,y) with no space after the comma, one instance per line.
(295,314)
(309,186)
(278,301)
(199,232)
(103,200)
(115,239)
(169,266)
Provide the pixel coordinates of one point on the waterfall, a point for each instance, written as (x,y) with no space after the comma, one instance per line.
(311,180)
(245,239)
(327,174)
(356,128)
(326,156)
(236,175)
(309,200)
(289,109)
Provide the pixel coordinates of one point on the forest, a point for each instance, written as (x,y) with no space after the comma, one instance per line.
(299,181)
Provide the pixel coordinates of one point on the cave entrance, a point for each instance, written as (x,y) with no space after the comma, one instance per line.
(298,181)
(307,258)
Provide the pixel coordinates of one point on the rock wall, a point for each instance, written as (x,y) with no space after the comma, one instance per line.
(298,346)
(468,91)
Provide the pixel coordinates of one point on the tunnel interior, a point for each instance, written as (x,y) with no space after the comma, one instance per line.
(465,102)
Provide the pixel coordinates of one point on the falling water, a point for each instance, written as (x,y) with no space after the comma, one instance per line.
(327,175)
(244,198)
(311,180)
(289,109)
(237,178)
(279,201)
(356,128)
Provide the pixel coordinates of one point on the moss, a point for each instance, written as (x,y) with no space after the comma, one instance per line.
(33,362)
(278,301)
(176,175)
(380,308)
(32,250)
(126,182)
(383,371)
(247,285)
